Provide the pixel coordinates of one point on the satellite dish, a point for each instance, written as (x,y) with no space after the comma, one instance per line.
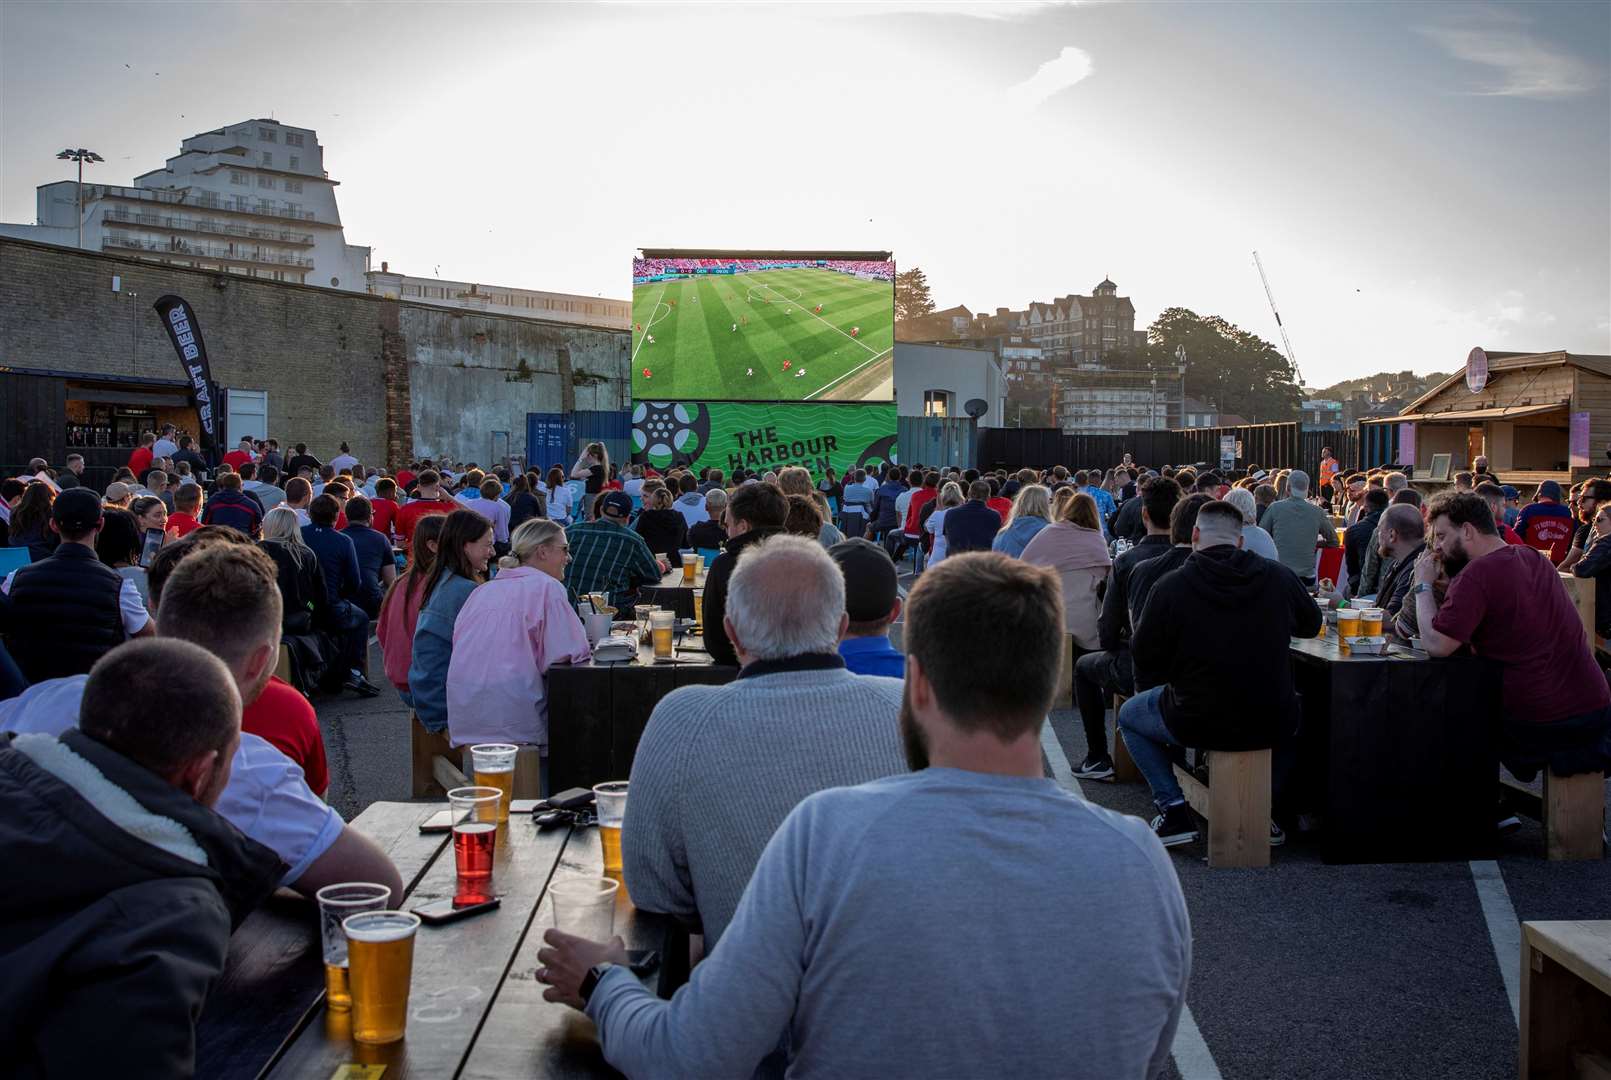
(1476,370)
(976,407)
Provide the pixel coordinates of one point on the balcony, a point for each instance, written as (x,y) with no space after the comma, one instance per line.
(182,249)
(203,225)
(210,201)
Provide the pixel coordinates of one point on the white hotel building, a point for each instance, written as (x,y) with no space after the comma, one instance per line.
(251,198)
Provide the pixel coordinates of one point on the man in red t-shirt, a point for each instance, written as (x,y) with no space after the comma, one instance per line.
(283,717)
(914,506)
(385,507)
(1507,602)
(430,501)
(186,516)
(140,460)
(237,457)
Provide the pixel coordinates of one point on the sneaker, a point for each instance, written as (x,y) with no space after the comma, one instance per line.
(361,686)
(1095,768)
(1508,822)
(1277,835)
(1175,825)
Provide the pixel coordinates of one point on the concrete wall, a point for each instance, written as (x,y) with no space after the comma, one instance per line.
(393,379)
(472,374)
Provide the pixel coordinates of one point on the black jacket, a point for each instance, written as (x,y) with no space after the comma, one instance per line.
(1399,580)
(1142,578)
(304,596)
(664,530)
(716,577)
(1355,540)
(1128,522)
(1113,625)
(108,940)
(706,535)
(64,614)
(1596,564)
(1218,630)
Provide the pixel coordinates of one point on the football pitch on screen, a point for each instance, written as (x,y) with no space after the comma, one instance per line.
(766,335)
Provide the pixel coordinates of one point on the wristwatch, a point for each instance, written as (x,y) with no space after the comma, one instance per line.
(1421,587)
(591,979)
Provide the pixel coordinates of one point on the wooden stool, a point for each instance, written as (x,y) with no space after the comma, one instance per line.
(1124,768)
(1065,675)
(528,771)
(1572,811)
(1236,802)
(1565,1000)
(433,757)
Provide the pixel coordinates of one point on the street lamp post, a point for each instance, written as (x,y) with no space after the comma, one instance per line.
(80,155)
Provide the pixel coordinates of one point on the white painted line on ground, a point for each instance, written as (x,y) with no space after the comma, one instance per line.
(1503,928)
(825,322)
(654,317)
(1191,1053)
(870,360)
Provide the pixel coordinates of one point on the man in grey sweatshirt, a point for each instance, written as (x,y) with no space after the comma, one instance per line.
(910,926)
(720,767)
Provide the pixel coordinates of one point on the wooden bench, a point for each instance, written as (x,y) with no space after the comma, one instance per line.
(1581,590)
(433,757)
(1566,1000)
(1572,810)
(1236,803)
(1124,767)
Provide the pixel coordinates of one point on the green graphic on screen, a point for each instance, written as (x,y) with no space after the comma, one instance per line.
(741,435)
(778,329)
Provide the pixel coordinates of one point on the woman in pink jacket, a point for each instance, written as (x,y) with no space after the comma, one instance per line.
(508,634)
(400,611)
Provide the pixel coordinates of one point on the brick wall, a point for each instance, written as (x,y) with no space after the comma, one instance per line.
(393,379)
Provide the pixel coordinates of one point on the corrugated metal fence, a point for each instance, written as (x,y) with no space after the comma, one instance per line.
(557,438)
(1268,446)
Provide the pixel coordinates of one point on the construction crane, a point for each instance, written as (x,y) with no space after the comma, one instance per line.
(1293,360)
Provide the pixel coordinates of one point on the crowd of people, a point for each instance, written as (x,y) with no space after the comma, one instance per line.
(797,815)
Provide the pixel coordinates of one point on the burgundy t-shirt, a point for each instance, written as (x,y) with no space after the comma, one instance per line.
(1510,606)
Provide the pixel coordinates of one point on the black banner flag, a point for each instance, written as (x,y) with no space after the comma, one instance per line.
(185,333)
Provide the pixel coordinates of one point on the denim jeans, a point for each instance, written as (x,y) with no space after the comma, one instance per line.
(1142,725)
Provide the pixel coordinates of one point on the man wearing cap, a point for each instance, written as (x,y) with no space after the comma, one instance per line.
(1546,524)
(1512,505)
(65,612)
(872,602)
(608,557)
(1595,494)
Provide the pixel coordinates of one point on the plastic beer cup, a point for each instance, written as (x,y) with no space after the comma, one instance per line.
(474,812)
(494,767)
(699,608)
(380,954)
(336,902)
(690,562)
(585,907)
(661,624)
(611,800)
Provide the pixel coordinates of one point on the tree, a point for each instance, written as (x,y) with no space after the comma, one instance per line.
(1235,371)
(912,299)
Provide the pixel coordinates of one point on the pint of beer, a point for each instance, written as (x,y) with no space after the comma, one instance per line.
(475,842)
(336,903)
(660,628)
(699,609)
(690,562)
(494,767)
(610,801)
(1370,622)
(380,955)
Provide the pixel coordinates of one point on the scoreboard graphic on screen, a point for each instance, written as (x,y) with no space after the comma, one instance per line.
(711,326)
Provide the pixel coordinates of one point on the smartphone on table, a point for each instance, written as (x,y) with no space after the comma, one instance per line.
(440,912)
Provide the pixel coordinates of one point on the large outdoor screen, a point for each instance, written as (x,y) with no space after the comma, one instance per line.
(763,329)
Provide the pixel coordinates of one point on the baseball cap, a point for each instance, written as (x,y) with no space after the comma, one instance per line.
(1511,493)
(616,504)
(76,510)
(870,579)
(1549,489)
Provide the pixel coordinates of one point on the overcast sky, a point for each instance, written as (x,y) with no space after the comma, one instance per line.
(1418,178)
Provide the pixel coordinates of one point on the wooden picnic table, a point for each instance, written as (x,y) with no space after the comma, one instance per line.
(1399,753)
(673,592)
(475,1007)
(1566,1000)
(597,711)
(275,969)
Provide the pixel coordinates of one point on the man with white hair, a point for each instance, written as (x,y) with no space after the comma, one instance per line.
(1296,524)
(1211,696)
(720,767)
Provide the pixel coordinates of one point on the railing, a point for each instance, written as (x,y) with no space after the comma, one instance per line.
(212,202)
(160,221)
(205,251)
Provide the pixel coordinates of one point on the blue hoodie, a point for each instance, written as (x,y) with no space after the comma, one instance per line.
(1015,537)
